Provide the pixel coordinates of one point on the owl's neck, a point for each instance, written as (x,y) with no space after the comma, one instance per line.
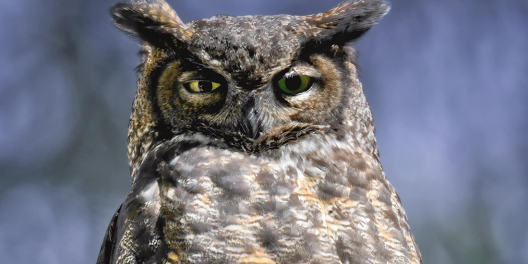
(357,116)
(141,137)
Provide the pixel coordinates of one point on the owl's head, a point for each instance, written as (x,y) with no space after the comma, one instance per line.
(252,78)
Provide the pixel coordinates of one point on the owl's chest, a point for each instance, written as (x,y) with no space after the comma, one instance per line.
(236,206)
(237,185)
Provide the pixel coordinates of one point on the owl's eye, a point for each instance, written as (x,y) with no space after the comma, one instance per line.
(201,86)
(295,84)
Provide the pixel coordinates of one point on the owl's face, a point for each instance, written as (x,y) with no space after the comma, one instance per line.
(249,76)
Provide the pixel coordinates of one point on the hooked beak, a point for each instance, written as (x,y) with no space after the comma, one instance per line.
(250,123)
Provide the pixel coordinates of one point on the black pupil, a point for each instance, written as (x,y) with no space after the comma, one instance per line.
(293,83)
(205,86)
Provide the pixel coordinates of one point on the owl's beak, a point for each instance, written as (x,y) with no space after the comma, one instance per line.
(250,123)
(250,130)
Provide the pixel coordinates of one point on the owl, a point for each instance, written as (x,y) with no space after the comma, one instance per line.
(251,141)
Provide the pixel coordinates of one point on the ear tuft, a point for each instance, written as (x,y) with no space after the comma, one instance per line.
(348,21)
(153,21)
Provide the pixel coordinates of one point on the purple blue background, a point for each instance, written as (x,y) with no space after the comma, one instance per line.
(447,82)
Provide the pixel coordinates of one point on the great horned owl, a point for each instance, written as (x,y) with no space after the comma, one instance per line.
(251,141)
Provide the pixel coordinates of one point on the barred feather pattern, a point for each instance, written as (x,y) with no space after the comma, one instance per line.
(319,200)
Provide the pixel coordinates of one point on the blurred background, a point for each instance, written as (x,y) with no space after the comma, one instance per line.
(447,82)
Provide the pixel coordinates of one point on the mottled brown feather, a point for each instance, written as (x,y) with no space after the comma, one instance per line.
(246,173)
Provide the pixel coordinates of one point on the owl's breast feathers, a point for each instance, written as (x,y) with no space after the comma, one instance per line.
(317,200)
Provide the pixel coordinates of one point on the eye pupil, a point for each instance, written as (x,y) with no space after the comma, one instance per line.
(205,87)
(201,86)
(293,83)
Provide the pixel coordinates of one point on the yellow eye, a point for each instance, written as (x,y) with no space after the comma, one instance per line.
(295,84)
(201,86)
